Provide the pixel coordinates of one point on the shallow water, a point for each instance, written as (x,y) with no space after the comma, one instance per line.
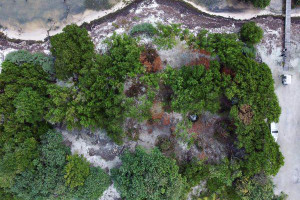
(24,14)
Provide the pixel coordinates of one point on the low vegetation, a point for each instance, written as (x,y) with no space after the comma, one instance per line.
(83,89)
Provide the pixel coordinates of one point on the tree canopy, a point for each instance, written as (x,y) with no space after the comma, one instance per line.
(148,176)
(251,33)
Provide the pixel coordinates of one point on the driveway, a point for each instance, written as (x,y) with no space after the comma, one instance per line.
(288,178)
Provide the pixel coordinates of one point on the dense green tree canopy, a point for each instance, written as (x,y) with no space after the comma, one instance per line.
(195,88)
(73,50)
(251,33)
(148,176)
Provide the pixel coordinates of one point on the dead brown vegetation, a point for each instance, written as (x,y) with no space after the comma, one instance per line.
(246,114)
(151,60)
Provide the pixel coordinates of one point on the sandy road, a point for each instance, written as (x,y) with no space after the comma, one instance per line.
(288,178)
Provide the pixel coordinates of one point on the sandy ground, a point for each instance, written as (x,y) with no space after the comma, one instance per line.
(101,152)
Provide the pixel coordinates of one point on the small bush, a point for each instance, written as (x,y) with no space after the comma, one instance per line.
(76,171)
(22,56)
(146,28)
(251,33)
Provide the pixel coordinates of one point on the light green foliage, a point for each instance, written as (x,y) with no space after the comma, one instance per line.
(182,133)
(73,50)
(251,33)
(221,176)
(30,106)
(148,176)
(94,186)
(64,106)
(195,88)
(122,58)
(166,36)
(257,188)
(143,28)
(22,56)
(76,171)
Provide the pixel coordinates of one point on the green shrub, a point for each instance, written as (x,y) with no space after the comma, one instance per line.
(166,36)
(94,186)
(143,28)
(76,171)
(260,3)
(195,88)
(148,176)
(22,56)
(251,33)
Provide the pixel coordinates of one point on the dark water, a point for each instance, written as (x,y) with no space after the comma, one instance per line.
(24,13)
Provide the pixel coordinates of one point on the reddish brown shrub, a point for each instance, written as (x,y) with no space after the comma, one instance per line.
(151,60)
(246,114)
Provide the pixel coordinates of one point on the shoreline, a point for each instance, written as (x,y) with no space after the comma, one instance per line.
(90,17)
(42,33)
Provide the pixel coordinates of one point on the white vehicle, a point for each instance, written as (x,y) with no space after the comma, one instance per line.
(274,130)
(286,79)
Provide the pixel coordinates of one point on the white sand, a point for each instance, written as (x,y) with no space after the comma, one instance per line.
(3,54)
(110,193)
(82,147)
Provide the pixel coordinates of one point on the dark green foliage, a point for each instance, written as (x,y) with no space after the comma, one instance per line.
(103,84)
(100,101)
(22,56)
(262,151)
(30,106)
(249,51)
(94,185)
(148,176)
(195,88)
(76,171)
(260,3)
(253,85)
(45,180)
(73,50)
(194,172)
(22,104)
(251,33)
(143,28)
